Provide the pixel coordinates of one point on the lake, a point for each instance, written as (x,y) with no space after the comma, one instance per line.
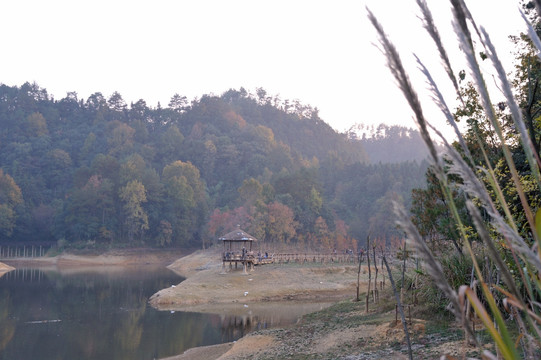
(102,313)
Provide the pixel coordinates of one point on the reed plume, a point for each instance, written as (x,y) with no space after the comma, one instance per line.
(496,228)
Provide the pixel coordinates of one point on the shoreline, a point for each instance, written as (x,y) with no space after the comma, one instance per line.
(340,329)
(116,257)
(269,288)
(207,288)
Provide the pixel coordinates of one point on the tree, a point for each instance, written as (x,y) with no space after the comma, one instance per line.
(185,201)
(431,214)
(169,145)
(178,103)
(107,166)
(116,102)
(89,211)
(220,222)
(342,240)
(382,226)
(10,199)
(139,111)
(323,235)
(35,125)
(250,193)
(7,220)
(133,168)
(165,233)
(89,144)
(280,226)
(133,196)
(121,139)
(58,164)
(96,102)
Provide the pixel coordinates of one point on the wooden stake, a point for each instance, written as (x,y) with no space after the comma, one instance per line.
(400,309)
(369,271)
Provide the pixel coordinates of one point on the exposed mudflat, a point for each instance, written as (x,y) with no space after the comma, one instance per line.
(207,286)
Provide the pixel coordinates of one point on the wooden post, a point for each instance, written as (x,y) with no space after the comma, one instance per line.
(376,297)
(399,305)
(369,271)
(359,279)
(403,274)
(383,274)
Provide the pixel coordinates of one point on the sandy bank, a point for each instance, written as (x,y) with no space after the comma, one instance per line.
(5,268)
(204,352)
(207,287)
(245,347)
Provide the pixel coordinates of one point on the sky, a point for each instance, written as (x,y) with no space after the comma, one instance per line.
(322,53)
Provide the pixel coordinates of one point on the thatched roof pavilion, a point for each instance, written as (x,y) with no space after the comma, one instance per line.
(238,237)
(238,248)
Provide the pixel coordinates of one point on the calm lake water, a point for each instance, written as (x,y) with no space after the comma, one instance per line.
(90,314)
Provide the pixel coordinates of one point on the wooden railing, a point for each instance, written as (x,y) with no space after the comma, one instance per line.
(23,251)
(315,258)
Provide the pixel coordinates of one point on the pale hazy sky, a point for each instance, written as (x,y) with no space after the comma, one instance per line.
(320,52)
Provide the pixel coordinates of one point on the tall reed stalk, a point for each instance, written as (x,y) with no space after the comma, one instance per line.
(502,240)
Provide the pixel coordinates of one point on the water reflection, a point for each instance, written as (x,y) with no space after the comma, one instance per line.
(103,314)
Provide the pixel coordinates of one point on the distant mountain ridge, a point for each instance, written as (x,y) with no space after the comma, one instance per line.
(389,143)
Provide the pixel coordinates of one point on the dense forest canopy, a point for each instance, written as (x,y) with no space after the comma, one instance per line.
(99,171)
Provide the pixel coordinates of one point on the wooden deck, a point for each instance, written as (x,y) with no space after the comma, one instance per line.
(249,259)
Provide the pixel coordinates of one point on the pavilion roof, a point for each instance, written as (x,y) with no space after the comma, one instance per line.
(237,235)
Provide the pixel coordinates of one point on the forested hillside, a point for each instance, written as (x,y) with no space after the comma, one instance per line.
(97,171)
